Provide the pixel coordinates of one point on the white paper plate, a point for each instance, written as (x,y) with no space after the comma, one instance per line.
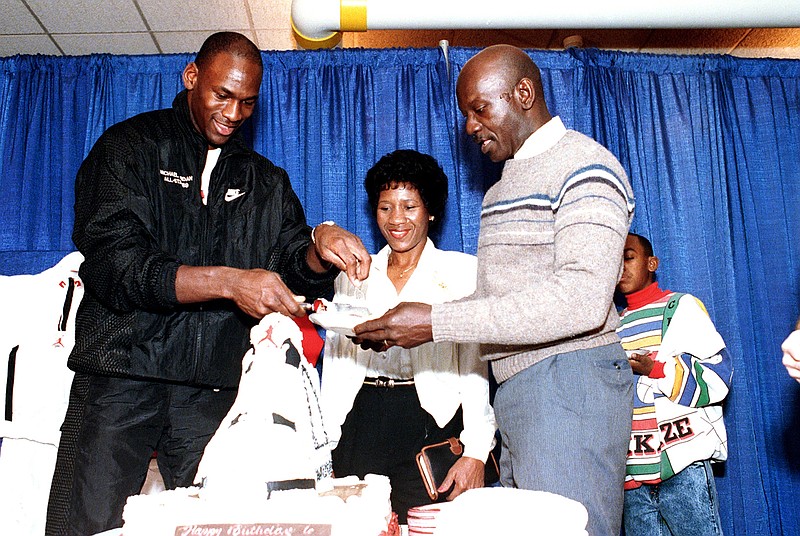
(339,322)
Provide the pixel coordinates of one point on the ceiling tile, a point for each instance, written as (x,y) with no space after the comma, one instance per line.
(282,39)
(88,16)
(197,15)
(16,19)
(27,44)
(117,43)
(271,15)
(181,42)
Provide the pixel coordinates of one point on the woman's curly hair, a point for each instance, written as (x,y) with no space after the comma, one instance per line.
(408,166)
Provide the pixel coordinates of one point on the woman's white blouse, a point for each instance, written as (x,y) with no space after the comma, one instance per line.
(446,374)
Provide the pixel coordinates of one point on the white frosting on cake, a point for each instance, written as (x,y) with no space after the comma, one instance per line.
(271,445)
(367,514)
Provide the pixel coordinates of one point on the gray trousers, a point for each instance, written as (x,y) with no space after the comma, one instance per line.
(565,426)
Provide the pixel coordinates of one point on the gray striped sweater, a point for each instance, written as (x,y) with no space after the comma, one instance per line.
(549,256)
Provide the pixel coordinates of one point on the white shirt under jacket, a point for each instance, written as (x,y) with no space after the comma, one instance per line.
(446,374)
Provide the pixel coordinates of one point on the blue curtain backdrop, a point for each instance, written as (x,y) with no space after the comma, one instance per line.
(711,143)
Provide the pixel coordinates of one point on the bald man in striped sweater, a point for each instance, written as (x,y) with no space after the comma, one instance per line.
(549,257)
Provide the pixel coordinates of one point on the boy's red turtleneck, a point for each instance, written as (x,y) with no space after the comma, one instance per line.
(648,294)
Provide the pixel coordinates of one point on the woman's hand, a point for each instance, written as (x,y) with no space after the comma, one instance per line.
(466,473)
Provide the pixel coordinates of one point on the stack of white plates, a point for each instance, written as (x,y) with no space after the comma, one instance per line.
(422,519)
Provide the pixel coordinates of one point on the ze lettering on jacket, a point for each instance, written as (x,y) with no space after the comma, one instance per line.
(677,430)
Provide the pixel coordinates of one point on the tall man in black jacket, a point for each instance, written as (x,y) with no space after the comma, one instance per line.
(189,237)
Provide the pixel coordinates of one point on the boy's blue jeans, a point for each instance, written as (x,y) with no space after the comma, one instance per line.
(684,505)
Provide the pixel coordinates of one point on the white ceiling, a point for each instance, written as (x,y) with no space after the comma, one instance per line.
(77,27)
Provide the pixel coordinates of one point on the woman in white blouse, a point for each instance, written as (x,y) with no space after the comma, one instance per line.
(382,406)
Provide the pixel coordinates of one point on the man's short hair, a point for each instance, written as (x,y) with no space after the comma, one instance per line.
(230,43)
(646,245)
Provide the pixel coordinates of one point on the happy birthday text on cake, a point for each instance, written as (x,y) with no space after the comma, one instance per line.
(254,529)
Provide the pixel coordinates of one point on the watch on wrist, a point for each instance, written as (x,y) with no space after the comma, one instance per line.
(327,222)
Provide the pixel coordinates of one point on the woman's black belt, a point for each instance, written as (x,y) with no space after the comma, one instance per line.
(383,381)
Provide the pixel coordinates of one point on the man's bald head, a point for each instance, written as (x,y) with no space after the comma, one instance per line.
(499,92)
(509,62)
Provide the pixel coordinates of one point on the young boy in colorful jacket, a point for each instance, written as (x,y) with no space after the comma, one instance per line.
(682,373)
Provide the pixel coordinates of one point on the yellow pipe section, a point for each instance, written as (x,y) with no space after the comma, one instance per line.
(352,18)
(353,15)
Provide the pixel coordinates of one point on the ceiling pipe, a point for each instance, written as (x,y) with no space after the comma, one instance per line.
(320,23)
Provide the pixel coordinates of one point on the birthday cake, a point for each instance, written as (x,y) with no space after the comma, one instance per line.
(351,507)
(267,469)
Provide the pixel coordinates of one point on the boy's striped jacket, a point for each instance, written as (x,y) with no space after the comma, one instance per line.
(677,416)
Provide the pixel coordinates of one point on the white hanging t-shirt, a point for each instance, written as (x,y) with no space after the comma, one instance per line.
(211,160)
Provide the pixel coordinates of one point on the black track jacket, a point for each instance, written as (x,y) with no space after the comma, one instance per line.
(138,216)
